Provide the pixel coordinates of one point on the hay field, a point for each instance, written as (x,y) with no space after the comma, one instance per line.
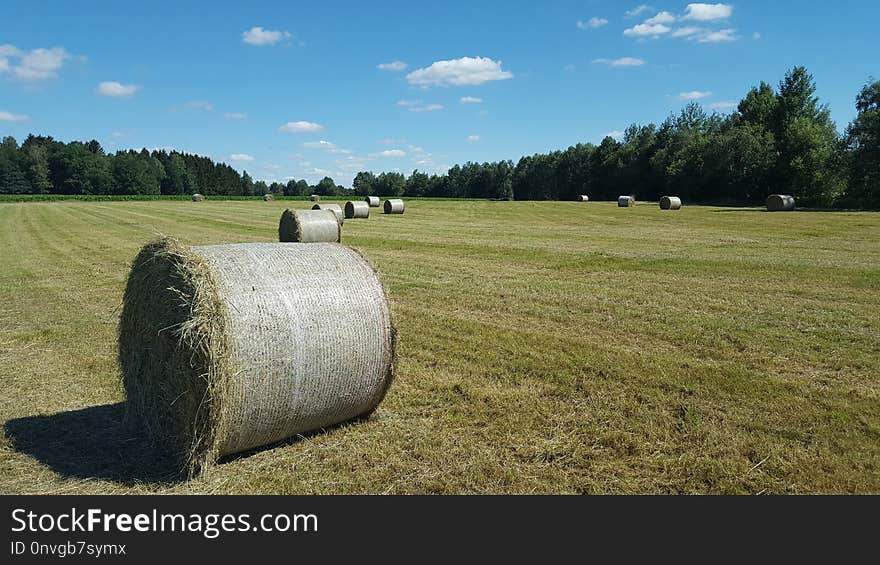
(544,348)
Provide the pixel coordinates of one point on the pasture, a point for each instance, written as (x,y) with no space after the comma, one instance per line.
(544,347)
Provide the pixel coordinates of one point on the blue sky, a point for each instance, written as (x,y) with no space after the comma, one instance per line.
(296,89)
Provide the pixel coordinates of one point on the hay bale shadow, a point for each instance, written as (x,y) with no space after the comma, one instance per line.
(92,443)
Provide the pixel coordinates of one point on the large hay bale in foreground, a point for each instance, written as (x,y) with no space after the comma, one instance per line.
(335,208)
(393,206)
(267,197)
(583,198)
(226,348)
(198,197)
(357,210)
(780,203)
(373,201)
(626,201)
(314,197)
(670,203)
(309,226)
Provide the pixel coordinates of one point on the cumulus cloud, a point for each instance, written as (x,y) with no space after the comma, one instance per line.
(300,127)
(408,103)
(259,36)
(392,153)
(234,116)
(117,89)
(661,18)
(32,66)
(622,62)
(638,11)
(707,12)
(687,31)
(646,30)
(322,144)
(427,108)
(693,95)
(592,23)
(473,138)
(201,105)
(392,66)
(466,71)
(10,117)
(616,134)
(240,157)
(719,36)
(470,100)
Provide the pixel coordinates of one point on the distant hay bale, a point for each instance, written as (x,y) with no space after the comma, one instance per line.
(336,208)
(780,203)
(226,348)
(626,201)
(198,197)
(309,226)
(583,198)
(314,197)
(670,203)
(373,201)
(267,197)
(393,206)
(357,210)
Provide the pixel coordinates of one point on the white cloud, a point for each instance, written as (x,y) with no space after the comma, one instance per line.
(707,12)
(10,117)
(240,157)
(392,153)
(638,11)
(459,72)
(723,105)
(259,36)
(693,95)
(616,134)
(720,36)
(427,108)
(622,62)
(235,116)
(300,127)
(661,18)
(118,134)
(592,23)
(470,100)
(117,89)
(392,66)
(687,31)
(391,141)
(646,30)
(7,50)
(407,103)
(473,138)
(36,65)
(756,35)
(323,144)
(201,105)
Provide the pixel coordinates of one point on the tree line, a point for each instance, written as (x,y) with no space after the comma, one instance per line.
(778,140)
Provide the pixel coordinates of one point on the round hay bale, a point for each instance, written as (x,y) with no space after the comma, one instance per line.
(393,206)
(314,197)
(583,198)
(335,208)
(625,201)
(670,203)
(309,226)
(225,348)
(357,209)
(198,197)
(780,203)
(373,201)
(267,197)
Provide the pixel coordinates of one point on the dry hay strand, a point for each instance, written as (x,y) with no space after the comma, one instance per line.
(336,208)
(373,201)
(670,203)
(625,201)
(357,210)
(780,203)
(198,197)
(226,348)
(309,226)
(393,206)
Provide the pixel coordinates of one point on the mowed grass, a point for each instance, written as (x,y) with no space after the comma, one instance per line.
(544,348)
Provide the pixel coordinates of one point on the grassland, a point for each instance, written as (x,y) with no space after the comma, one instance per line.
(544,348)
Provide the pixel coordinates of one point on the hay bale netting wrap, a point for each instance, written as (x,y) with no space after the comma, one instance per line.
(314,197)
(226,348)
(309,226)
(670,203)
(267,197)
(373,201)
(625,201)
(780,203)
(393,206)
(357,209)
(335,208)
(583,198)
(198,197)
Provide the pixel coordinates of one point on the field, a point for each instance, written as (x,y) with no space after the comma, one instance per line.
(544,348)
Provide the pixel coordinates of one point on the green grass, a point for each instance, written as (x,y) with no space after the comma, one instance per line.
(544,347)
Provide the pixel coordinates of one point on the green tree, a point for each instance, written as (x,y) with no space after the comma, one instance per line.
(326,187)
(364,183)
(247,184)
(863,142)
